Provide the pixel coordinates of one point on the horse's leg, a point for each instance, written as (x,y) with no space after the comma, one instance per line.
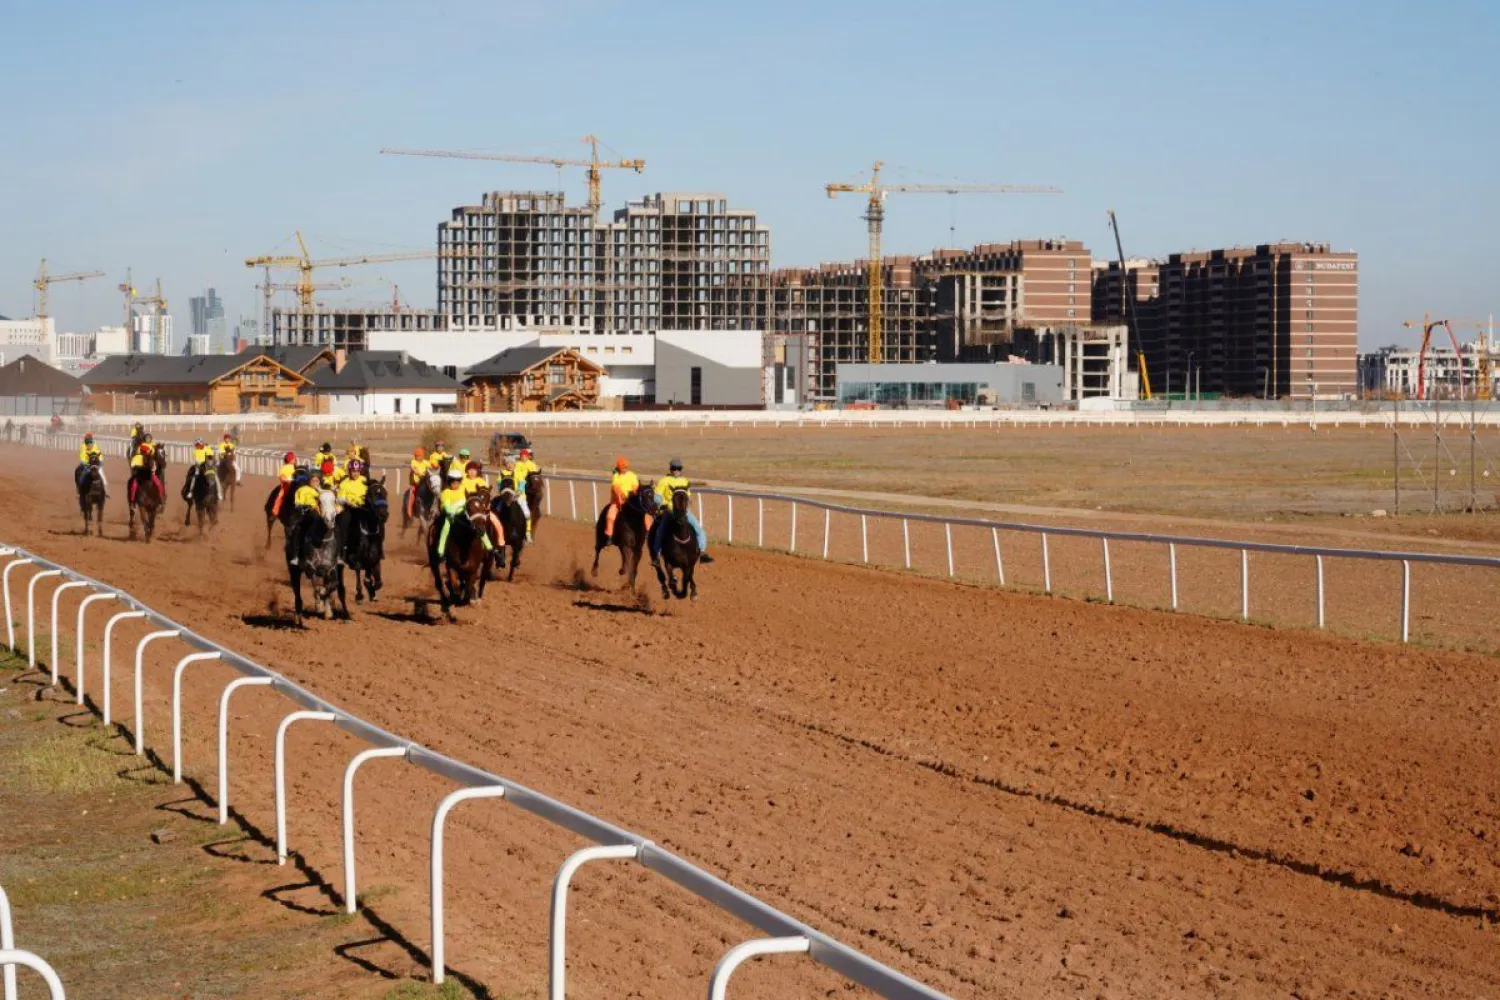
(515,560)
(343,594)
(296,573)
(663,576)
(632,556)
(692,583)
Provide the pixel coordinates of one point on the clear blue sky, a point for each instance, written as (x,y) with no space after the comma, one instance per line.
(180,137)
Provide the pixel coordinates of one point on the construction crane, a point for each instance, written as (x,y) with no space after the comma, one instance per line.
(158,341)
(1484,386)
(305,264)
(593,163)
(875,216)
(1427,325)
(1132,331)
(45,281)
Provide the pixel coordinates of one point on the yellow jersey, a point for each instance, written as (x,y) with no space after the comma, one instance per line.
(88,451)
(473,484)
(287,473)
(201,455)
(524,468)
(668,485)
(624,484)
(320,458)
(453,499)
(352,491)
(419,467)
(307,496)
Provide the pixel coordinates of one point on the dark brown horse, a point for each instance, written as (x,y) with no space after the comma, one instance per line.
(203,498)
(629,535)
(460,571)
(536,496)
(145,502)
(679,550)
(229,477)
(513,525)
(91,496)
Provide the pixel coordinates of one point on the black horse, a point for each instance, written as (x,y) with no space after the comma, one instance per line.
(679,550)
(420,509)
(203,497)
(145,500)
(630,532)
(513,524)
(362,530)
(460,571)
(91,496)
(312,550)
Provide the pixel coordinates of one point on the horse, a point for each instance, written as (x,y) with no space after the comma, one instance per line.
(536,495)
(513,524)
(287,513)
(145,500)
(362,530)
(91,497)
(679,550)
(420,508)
(203,498)
(229,476)
(630,532)
(312,550)
(462,564)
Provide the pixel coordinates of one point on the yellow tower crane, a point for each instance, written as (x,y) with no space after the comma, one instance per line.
(875,216)
(45,281)
(305,285)
(593,163)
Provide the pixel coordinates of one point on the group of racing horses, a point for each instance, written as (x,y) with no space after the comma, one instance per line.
(466,543)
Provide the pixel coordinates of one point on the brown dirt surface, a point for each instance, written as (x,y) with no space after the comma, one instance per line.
(998,793)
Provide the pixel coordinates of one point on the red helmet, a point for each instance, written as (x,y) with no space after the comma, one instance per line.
(289,457)
(228,436)
(525,452)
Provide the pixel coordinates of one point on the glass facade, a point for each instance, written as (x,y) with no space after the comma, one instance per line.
(908,393)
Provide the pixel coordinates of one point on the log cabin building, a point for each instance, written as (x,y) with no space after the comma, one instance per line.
(532,380)
(157,384)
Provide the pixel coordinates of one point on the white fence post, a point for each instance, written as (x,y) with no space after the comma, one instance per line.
(280,767)
(230,689)
(83,606)
(594,493)
(10,625)
(999,564)
(741,953)
(177,672)
(729,519)
(31,615)
(793,546)
(1405,600)
(7,943)
(1244,584)
(108,637)
(11,957)
(1109,579)
(140,715)
(1320,591)
(864,536)
(906,541)
(1046,566)
(439,819)
(760,522)
(56,594)
(573,498)
(948,534)
(827,529)
(557,941)
(1172,560)
(350,892)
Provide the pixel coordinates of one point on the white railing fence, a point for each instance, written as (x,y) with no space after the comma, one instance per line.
(11,957)
(785,932)
(840,533)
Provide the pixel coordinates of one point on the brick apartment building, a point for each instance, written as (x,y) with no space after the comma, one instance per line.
(1278,319)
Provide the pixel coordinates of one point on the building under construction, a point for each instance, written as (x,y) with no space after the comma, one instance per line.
(347,328)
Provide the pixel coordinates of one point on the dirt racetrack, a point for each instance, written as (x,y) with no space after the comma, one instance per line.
(1000,794)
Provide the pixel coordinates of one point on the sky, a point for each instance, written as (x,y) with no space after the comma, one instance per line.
(179,138)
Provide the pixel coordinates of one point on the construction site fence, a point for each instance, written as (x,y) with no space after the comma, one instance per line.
(1314,416)
(567,495)
(786,934)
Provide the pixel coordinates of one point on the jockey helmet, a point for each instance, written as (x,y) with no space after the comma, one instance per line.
(145,448)
(675,465)
(441,444)
(419,452)
(326,447)
(463,453)
(228,436)
(147,439)
(473,467)
(198,441)
(88,439)
(622,464)
(525,452)
(289,457)
(356,467)
(455,474)
(139,426)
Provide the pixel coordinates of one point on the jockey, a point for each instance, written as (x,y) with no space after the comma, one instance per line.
(306,501)
(89,454)
(666,487)
(523,468)
(142,464)
(355,451)
(459,463)
(201,453)
(137,435)
(439,458)
(287,473)
(474,480)
(323,456)
(454,502)
(419,467)
(352,490)
(623,484)
(331,472)
(228,444)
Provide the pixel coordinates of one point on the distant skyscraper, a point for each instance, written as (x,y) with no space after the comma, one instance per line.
(207,309)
